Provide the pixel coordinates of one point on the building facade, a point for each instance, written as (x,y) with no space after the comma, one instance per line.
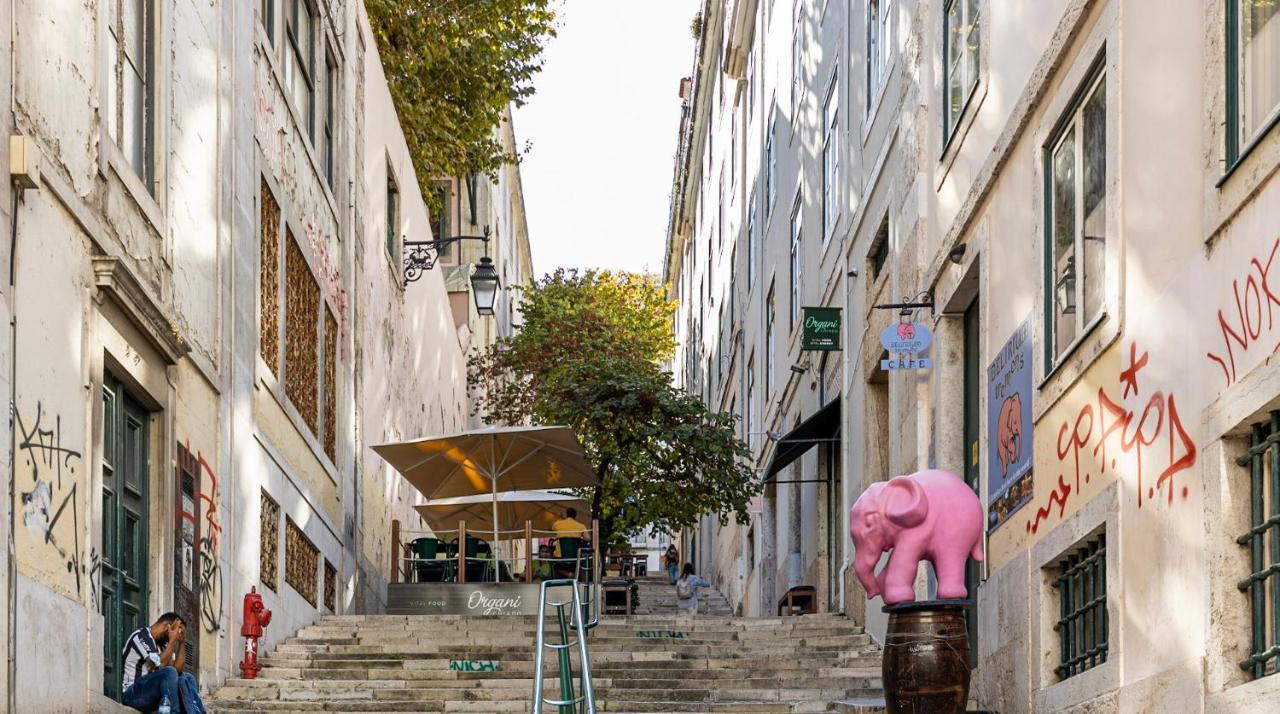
(1079,200)
(209,323)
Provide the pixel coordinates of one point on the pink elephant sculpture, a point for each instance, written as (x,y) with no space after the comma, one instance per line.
(928,515)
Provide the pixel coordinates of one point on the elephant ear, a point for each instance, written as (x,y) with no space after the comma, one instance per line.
(905,502)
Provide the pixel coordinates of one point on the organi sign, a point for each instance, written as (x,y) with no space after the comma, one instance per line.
(821,329)
(903,340)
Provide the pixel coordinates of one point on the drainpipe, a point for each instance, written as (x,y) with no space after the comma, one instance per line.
(12,574)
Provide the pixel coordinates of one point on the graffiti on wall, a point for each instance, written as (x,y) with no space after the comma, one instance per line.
(1251,322)
(330,278)
(210,570)
(1140,429)
(50,508)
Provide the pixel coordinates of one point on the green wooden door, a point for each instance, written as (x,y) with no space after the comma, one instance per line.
(124,525)
(972,418)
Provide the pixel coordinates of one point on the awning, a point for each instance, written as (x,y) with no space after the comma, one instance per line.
(821,428)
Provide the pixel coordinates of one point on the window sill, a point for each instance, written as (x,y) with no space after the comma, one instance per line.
(1258,139)
(115,163)
(873,111)
(1098,337)
(267,381)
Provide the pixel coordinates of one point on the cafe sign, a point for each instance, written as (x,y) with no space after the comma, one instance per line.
(903,341)
(462,599)
(821,329)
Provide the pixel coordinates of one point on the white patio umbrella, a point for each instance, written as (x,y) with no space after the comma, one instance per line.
(542,508)
(492,461)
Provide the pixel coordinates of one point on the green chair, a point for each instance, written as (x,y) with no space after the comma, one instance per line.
(569,548)
(426,549)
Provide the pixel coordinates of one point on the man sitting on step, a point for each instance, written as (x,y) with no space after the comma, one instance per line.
(153,675)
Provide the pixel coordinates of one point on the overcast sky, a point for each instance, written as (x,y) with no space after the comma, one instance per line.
(603,129)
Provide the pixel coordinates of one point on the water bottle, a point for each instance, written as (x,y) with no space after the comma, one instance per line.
(164,706)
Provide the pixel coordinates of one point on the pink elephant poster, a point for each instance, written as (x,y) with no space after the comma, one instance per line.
(1009,427)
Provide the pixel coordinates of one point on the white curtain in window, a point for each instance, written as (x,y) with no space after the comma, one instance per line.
(1259,65)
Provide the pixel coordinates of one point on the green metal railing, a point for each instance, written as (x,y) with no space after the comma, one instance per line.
(1082,598)
(1263,460)
(583,616)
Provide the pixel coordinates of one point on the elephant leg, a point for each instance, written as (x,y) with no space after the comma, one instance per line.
(950,572)
(899,577)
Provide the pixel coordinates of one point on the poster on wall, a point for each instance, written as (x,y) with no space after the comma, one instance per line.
(1009,427)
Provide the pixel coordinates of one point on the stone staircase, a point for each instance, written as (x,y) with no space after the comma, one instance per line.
(657,597)
(642,663)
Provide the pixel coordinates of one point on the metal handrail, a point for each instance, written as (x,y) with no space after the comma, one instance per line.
(567,703)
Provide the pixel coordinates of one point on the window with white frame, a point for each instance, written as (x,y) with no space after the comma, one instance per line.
(749,409)
(797,63)
(770,305)
(797,259)
(1076,224)
(770,163)
(751,86)
(831,158)
(961,40)
(879,45)
(753,255)
(267,15)
(1253,72)
(131,90)
(300,60)
(327,155)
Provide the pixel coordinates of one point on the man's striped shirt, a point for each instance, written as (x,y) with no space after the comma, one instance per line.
(137,656)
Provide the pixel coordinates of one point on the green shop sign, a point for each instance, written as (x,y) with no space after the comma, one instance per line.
(821,329)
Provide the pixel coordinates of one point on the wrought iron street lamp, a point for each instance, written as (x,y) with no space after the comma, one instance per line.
(422,255)
(485,286)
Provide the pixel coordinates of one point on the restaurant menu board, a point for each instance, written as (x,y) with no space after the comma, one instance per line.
(1009,428)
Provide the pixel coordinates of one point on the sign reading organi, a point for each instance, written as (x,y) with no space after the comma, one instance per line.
(821,329)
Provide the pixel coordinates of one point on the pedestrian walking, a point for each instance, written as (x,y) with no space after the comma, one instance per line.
(672,562)
(687,590)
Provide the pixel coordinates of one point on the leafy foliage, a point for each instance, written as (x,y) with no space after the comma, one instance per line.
(453,67)
(588,357)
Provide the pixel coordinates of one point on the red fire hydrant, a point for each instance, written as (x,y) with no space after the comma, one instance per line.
(256,617)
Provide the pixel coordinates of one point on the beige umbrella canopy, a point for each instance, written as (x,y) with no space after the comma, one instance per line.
(492,461)
(543,508)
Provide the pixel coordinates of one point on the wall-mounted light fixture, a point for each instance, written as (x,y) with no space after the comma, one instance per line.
(957,254)
(421,256)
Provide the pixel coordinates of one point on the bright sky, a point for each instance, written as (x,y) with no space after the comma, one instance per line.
(603,127)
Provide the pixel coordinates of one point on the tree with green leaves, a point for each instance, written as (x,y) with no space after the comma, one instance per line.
(588,356)
(453,67)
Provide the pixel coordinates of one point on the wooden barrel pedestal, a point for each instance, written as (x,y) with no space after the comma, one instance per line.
(926,658)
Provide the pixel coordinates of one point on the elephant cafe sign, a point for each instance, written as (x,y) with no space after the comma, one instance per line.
(821,329)
(903,341)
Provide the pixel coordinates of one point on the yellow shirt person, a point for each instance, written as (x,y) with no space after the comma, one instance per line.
(568,527)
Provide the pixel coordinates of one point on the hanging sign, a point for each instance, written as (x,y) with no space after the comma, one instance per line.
(904,340)
(1009,428)
(821,329)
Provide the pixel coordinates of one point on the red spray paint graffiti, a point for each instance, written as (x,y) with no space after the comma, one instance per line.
(211,607)
(1256,299)
(1108,425)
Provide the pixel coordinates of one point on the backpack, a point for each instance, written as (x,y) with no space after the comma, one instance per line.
(684,589)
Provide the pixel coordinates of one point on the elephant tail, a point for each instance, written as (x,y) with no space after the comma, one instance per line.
(976,552)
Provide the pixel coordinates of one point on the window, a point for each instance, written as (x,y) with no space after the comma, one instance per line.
(330,586)
(797,64)
(297,336)
(830,159)
(961,39)
(267,14)
(131,92)
(269,543)
(444,221)
(797,258)
(769,354)
(879,45)
(1253,72)
(1075,248)
(1081,582)
(752,251)
(733,150)
(749,407)
(393,215)
(301,562)
(330,109)
(751,85)
(879,253)
(299,60)
(770,164)
(1263,542)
